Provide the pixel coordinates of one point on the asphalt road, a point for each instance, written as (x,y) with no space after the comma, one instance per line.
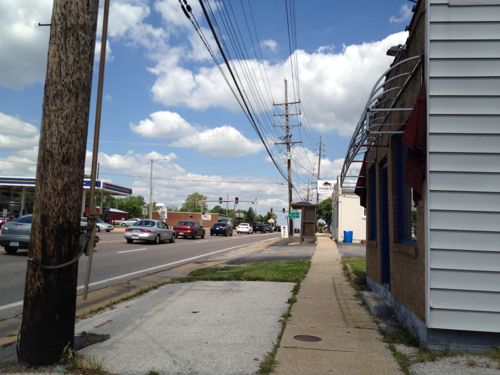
(116,261)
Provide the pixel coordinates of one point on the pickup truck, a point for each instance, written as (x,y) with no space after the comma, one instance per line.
(189,228)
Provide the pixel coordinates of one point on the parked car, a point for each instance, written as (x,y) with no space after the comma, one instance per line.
(149,230)
(101,225)
(16,234)
(221,228)
(244,228)
(189,228)
(130,222)
(258,227)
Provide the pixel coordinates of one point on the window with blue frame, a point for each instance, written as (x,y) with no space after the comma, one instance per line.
(372,204)
(406,210)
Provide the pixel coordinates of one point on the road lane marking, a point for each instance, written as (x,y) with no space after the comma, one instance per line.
(131,251)
(11,305)
(20,303)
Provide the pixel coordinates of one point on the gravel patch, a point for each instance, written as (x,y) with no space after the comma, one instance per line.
(457,365)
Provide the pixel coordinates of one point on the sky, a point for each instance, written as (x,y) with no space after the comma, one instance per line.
(166,100)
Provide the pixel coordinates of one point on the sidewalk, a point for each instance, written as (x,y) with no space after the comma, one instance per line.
(228,327)
(329,331)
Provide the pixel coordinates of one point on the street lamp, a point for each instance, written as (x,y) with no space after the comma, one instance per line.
(151,188)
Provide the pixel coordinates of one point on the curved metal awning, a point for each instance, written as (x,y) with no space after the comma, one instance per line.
(375,119)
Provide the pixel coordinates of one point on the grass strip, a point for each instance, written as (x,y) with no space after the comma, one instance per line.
(279,271)
(358,267)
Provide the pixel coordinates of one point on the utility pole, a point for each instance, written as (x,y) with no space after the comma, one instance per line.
(308,191)
(151,191)
(319,166)
(288,142)
(48,319)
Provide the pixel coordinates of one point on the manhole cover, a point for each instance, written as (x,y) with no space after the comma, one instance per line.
(307,338)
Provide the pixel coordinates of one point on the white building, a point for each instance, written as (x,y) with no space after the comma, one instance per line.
(347,215)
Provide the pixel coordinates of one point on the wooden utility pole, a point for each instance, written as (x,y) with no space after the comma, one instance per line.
(288,142)
(48,318)
(319,167)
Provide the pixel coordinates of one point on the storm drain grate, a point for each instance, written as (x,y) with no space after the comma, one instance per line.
(307,338)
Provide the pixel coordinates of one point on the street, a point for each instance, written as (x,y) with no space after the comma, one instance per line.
(115,261)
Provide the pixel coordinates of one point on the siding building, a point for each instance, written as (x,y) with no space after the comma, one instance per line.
(429,144)
(347,215)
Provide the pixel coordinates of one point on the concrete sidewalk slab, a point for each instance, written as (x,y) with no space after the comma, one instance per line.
(327,309)
(192,328)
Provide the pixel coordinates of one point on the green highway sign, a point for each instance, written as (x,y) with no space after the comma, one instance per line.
(294,214)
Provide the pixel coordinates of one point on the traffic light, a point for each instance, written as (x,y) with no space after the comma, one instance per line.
(220,200)
(236,200)
(284,210)
(271,210)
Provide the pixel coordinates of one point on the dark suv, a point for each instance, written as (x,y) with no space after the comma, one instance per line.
(221,228)
(259,227)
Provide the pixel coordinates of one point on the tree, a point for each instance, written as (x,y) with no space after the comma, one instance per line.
(133,205)
(194,203)
(48,320)
(324,210)
(219,210)
(250,216)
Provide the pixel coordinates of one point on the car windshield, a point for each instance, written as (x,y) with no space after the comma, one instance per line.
(24,219)
(185,223)
(144,223)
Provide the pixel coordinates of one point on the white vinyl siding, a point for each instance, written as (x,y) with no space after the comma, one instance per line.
(463,210)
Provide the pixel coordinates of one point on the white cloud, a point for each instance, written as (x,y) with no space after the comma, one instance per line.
(172,183)
(170,11)
(306,163)
(97,52)
(223,141)
(16,134)
(270,44)
(334,86)
(405,14)
(23,50)
(163,124)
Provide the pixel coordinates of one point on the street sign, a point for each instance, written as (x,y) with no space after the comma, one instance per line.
(294,214)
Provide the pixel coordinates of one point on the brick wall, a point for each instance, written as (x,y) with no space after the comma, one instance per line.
(407,262)
(174,217)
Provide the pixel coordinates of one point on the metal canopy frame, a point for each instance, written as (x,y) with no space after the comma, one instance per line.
(373,122)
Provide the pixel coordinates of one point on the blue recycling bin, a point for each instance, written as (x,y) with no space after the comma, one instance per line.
(348,236)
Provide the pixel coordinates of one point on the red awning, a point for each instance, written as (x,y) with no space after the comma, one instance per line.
(415,137)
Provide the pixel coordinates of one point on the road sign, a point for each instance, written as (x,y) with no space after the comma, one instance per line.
(294,214)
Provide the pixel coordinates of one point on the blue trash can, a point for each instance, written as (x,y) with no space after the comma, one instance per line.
(348,236)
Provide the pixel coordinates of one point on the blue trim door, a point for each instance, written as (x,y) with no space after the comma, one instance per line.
(385,257)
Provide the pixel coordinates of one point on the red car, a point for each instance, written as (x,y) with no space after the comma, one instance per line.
(189,228)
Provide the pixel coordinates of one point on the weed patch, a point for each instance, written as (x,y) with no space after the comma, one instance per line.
(355,268)
(281,271)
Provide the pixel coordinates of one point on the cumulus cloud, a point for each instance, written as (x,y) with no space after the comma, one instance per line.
(172,183)
(223,141)
(23,50)
(16,134)
(270,44)
(405,14)
(306,163)
(163,124)
(334,86)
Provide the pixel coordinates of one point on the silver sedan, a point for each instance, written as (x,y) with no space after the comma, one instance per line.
(149,230)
